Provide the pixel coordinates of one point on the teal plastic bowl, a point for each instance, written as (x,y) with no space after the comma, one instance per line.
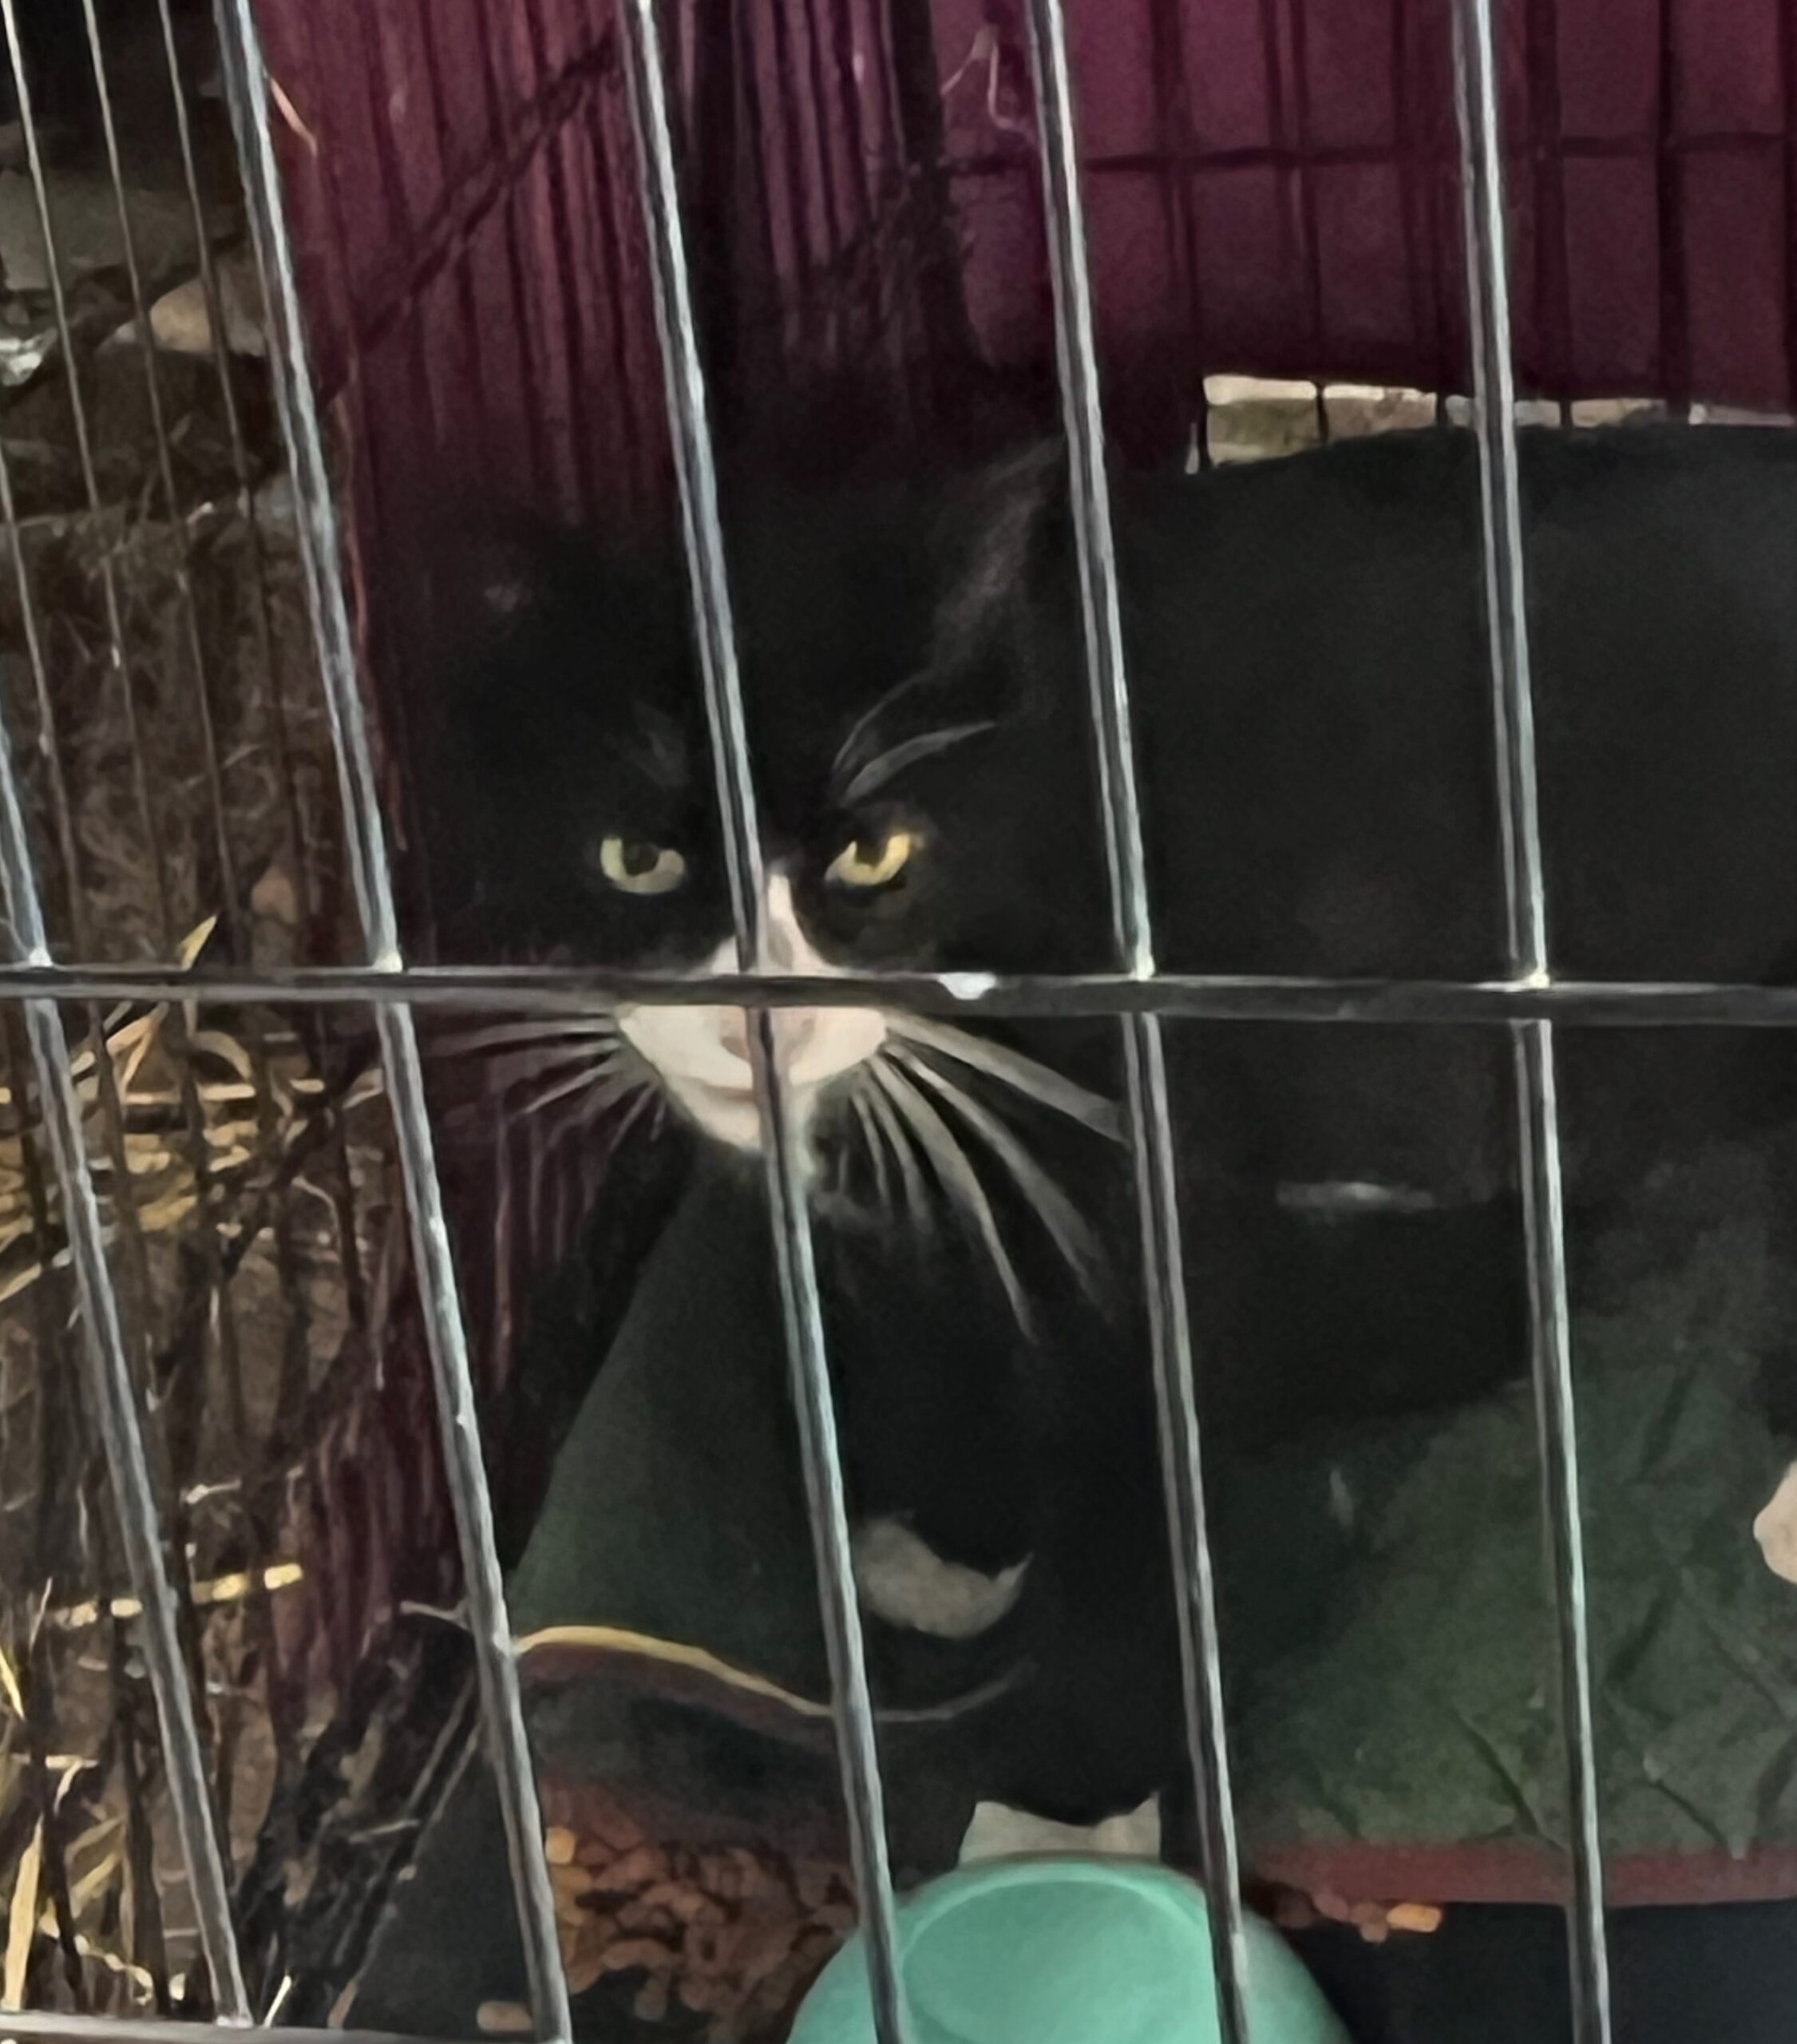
(1065,1952)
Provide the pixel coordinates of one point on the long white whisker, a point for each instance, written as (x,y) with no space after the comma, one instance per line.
(1022,1073)
(958,1175)
(889,764)
(633,1113)
(899,1140)
(848,754)
(514,1067)
(597,1099)
(1058,1213)
(876,1149)
(514,1093)
(585,1080)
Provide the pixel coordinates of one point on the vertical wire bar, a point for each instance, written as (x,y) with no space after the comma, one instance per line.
(224,1317)
(113,1395)
(129,1224)
(224,1324)
(247,88)
(305,879)
(801,1305)
(61,1449)
(1494,411)
(1151,1120)
(262,614)
(119,664)
(165,469)
(106,1351)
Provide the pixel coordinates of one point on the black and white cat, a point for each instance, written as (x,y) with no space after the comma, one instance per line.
(1314,728)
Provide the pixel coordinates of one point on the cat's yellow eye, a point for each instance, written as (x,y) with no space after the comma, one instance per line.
(634,866)
(874,861)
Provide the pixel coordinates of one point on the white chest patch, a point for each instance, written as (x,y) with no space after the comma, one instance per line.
(1336,1196)
(902,1580)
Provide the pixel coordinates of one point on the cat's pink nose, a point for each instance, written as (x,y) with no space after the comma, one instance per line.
(794,1029)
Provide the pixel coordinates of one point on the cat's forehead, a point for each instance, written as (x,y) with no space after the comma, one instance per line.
(847,589)
(833,608)
(866,637)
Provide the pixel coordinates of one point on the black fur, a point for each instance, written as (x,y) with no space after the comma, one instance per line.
(1315,730)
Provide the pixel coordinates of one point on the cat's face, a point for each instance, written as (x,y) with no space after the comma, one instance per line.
(911,688)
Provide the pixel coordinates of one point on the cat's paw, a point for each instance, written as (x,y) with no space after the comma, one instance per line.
(1000,1833)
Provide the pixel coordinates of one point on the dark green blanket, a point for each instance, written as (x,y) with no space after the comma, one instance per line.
(1391,1677)
(1423,1711)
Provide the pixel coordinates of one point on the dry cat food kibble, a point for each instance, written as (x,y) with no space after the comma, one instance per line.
(1293,1910)
(730,1933)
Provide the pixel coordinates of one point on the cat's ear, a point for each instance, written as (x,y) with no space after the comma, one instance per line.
(1005,546)
(1006,616)
(999,564)
(496,578)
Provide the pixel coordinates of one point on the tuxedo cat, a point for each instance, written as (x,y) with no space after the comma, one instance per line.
(1314,728)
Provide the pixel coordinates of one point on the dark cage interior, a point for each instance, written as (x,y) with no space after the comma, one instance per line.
(1199,592)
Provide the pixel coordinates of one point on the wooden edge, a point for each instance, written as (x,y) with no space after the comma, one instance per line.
(1522,1873)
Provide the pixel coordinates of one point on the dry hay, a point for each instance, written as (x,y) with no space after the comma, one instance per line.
(220,1129)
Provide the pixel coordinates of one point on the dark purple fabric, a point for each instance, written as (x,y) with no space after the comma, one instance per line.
(1272,185)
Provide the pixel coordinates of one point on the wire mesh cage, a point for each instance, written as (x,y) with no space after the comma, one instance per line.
(261,311)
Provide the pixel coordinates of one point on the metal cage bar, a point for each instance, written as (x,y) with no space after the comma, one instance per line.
(118,657)
(1529,1001)
(1148,1106)
(247,87)
(1526,899)
(1201,996)
(45,2026)
(111,1387)
(801,1306)
(223,1317)
(112,1394)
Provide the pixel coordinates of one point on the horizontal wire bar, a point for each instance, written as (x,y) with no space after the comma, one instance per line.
(38,2026)
(1476,105)
(371,879)
(1248,997)
(852,1705)
(1199,158)
(1148,1102)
